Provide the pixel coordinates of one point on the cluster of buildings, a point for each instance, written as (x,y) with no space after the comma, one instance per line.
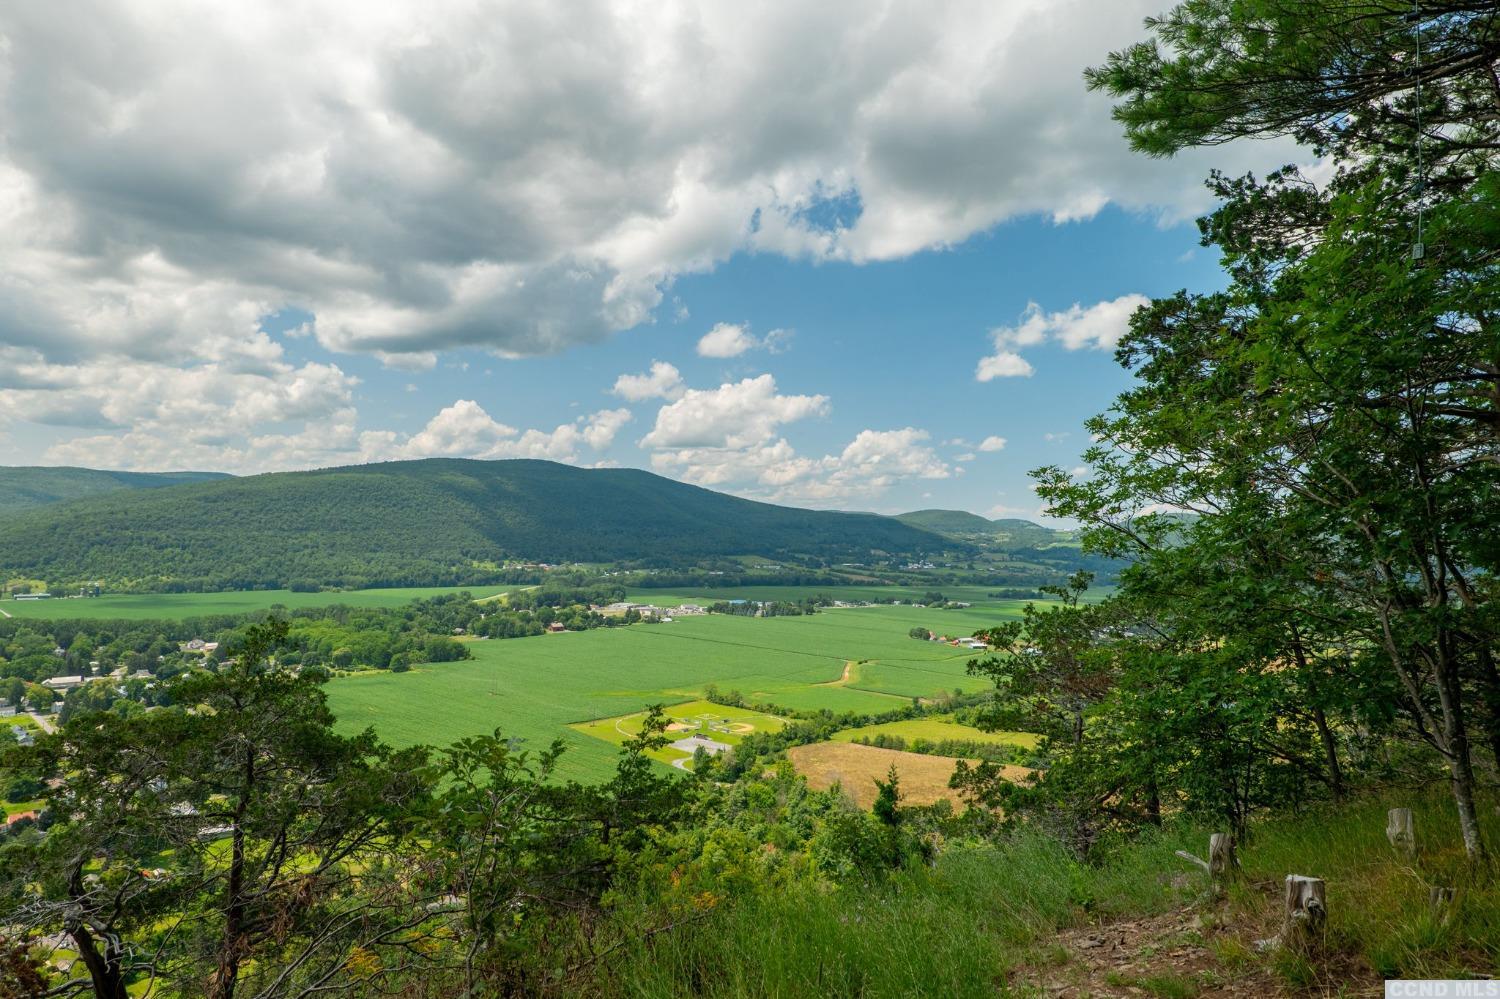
(972,644)
(623,607)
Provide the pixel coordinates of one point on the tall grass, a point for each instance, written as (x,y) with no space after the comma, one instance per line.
(953,929)
(958,927)
(1378,906)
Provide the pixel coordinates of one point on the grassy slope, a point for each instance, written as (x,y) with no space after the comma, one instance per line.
(983,918)
(536,687)
(178,606)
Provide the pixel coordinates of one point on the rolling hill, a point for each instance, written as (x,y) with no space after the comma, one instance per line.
(26,487)
(416,522)
(1006,534)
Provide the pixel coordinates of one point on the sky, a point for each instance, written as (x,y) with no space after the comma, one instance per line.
(850,255)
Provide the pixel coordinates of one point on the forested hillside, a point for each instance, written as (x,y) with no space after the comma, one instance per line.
(1007,534)
(25,487)
(418,522)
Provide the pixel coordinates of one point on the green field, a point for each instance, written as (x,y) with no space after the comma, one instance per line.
(937,730)
(719,722)
(535,688)
(177,606)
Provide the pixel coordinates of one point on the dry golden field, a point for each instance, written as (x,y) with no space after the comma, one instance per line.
(924,779)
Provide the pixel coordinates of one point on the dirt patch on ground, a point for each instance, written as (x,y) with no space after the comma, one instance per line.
(843,679)
(924,779)
(1185,954)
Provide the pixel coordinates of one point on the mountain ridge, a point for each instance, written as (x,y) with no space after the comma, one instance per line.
(26,487)
(425,519)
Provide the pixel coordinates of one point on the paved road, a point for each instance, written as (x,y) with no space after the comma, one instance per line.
(44,722)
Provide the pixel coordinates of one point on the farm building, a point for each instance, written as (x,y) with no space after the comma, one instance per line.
(693,743)
(63,682)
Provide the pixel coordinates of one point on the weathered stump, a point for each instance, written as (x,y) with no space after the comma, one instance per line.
(1441,901)
(1223,863)
(1306,912)
(1401,831)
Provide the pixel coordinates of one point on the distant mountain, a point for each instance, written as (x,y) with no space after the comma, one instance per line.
(25,487)
(1005,533)
(417,521)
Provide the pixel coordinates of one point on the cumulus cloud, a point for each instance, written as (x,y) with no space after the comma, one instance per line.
(519,177)
(870,464)
(1098,326)
(734,415)
(992,443)
(663,381)
(730,340)
(224,439)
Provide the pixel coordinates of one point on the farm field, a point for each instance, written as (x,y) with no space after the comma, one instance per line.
(716,722)
(536,688)
(924,779)
(177,606)
(707,595)
(938,730)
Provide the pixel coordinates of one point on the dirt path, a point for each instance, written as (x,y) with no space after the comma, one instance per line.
(1186,953)
(843,679)
(4,612)
(44,722)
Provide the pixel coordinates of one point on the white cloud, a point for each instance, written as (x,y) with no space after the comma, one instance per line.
(731,340)
(966,456)
(520,177)
(663,381)
(734,415)
(726,340)
(1099,326)
(992,443)
(1003,364)
(225,439)
(422,360)
(870,464)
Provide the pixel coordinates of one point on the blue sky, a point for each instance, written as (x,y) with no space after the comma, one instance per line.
(853,258)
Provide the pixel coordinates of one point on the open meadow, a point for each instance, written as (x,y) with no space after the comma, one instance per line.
(923,779)
(180,606)
(854,659)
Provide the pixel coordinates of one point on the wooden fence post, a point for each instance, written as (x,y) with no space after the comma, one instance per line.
(1401,831)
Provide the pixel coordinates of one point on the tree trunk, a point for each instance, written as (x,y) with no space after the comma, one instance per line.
(1330,753)
(104,969)
(1460,762)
